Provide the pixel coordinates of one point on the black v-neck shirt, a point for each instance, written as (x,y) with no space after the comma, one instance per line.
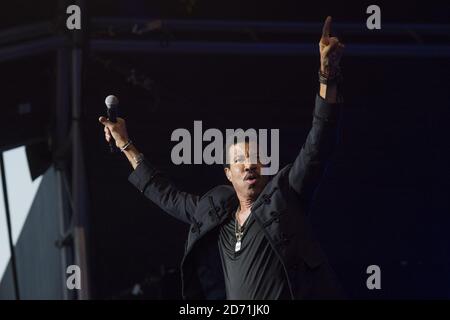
(254,272)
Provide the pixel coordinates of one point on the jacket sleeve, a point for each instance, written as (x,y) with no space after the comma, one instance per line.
(156,187)
(310,164)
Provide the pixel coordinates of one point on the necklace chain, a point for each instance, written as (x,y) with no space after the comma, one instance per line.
(239,230)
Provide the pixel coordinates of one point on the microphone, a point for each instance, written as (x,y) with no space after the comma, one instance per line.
(112,105)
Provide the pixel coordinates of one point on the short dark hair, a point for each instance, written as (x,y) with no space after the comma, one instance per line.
(227,144)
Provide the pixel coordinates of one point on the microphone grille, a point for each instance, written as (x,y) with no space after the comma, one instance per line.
(111,100)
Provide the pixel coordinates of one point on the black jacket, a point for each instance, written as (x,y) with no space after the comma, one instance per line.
(280,211)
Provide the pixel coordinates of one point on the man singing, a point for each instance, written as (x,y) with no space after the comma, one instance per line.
(252,240)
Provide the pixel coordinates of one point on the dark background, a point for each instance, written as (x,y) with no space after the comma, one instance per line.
(384,199)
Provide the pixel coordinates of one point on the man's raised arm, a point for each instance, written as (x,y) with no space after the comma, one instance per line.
(309,166)
(147,179)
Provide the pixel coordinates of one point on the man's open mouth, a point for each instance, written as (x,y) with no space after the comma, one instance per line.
(251,178)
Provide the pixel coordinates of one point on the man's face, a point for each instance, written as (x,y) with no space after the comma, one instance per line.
(244,175)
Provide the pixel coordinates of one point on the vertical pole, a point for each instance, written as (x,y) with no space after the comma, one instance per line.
(79,183)
(62,116)
(10,235)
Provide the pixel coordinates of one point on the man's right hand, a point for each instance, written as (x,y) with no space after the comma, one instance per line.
(117,131)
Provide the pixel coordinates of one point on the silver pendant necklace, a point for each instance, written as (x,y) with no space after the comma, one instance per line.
(239,231)
(239,234)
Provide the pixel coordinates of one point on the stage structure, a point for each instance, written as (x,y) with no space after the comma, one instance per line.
(71,49)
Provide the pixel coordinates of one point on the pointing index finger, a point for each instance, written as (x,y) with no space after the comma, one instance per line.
(326,30)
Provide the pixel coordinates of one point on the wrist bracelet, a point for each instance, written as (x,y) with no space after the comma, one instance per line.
(326,79)
(129,143)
